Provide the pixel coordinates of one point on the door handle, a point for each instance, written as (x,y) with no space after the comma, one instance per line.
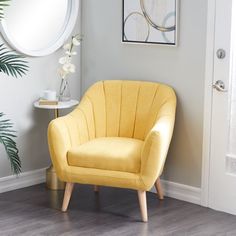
(220,86)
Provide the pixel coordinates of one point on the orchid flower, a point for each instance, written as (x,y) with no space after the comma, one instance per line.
(67,67)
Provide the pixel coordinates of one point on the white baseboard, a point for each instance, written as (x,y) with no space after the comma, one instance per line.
(171,189)
(25,179)
(181,192)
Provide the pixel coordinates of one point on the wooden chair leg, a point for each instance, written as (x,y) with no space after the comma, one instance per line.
(159,189)
(96,189)
(143,205)
(67,195)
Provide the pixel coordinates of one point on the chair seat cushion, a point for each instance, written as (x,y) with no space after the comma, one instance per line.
(117,154)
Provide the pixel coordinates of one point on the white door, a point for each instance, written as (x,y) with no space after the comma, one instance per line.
(222,171)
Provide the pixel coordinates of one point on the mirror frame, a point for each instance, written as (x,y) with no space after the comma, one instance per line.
(70,21)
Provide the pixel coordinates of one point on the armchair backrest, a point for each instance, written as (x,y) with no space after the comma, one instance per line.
(118,108)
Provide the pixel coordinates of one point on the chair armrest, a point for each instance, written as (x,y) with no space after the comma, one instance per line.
(65,133)
(156,147)
(59,144)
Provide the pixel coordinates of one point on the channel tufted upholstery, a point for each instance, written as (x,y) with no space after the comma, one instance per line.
(130,120)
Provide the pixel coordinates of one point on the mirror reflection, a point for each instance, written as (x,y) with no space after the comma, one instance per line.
(36,24)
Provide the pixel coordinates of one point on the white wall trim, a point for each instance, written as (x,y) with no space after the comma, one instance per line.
(30,178)
(209,76)
(25,179)
(181,192)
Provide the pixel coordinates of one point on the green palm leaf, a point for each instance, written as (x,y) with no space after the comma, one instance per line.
(3,3)
(7,136)
(14,65)
(11,63)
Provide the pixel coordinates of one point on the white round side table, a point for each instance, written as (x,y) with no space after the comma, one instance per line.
(52,181)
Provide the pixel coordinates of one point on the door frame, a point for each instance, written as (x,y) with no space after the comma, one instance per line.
(208,97)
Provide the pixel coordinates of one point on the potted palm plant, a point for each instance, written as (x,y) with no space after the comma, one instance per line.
(13,65)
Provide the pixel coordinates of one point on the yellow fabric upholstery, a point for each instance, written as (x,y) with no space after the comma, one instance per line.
(119,154)
(143,112)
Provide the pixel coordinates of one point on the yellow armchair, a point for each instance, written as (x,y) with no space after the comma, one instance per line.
(118,136)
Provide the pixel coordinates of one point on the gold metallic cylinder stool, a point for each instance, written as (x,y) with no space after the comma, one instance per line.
(52,180)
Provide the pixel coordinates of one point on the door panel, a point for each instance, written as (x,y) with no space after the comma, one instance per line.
(222,178)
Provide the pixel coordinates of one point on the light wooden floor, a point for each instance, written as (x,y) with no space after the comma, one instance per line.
(35,211)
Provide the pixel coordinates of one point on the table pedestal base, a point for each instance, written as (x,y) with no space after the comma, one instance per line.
(52,181)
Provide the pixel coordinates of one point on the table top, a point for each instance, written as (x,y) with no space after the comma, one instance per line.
(61,105)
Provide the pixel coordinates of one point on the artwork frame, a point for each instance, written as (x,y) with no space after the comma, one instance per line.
(154,29)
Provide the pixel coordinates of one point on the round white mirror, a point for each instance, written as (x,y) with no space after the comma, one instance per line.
(39,27)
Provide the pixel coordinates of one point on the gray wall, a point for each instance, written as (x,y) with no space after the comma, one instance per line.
(105,57)
(17,97)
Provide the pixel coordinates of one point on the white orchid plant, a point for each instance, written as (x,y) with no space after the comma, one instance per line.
(67,67)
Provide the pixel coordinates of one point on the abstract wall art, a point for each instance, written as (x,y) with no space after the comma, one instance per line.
(150,21)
